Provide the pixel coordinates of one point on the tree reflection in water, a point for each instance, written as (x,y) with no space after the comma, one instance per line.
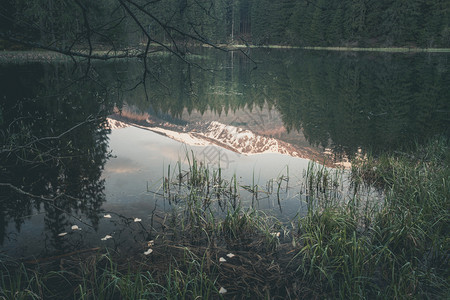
(347,102)
(343,101)
(54,147)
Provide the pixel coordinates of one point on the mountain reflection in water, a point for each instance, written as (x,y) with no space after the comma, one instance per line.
(55,123)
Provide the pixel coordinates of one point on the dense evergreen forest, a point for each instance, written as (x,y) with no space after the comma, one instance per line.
(382,23)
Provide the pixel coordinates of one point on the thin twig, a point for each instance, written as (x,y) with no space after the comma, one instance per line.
(49,201)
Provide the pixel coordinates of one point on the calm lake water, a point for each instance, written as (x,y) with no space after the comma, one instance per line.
(79,145)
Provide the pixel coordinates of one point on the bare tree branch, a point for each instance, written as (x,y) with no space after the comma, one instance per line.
(48,138)
(49,201)
(69,52)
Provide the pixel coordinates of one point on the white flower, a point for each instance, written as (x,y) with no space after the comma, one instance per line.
(108,216)
(150,243)
(62,234)
(148,251)
(276,234)
(75,227)
(231,255)
(222,290)
(107,237)
(137,220)
(222,259)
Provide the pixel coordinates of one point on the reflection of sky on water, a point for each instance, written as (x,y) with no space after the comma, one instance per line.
(141,159)
(345,119)
(30,236)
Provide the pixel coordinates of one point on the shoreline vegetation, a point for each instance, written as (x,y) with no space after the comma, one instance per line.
(7,55)
(349,248)
(350,49)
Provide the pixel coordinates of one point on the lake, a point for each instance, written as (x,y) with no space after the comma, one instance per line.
(97,152)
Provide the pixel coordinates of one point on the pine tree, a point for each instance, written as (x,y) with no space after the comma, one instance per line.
(298,22)
(317,32)
(335,33)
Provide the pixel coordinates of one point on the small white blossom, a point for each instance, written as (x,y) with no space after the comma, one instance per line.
(137,220)
(148,251)
(75,227)
(108,216)
(222,259)
(107,237)
(231,255)
(222,290)
(62,234)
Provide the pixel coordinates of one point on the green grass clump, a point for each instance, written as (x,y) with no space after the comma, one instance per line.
(334,256)
(347,244)
(399,249)
(244,227)
(192,280)
(19,283)
(103,277)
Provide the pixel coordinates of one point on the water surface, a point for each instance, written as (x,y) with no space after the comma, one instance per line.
(81,144)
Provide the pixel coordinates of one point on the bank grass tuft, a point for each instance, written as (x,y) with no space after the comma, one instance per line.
(379,230)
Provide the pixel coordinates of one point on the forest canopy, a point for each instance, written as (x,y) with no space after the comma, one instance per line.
(72,24)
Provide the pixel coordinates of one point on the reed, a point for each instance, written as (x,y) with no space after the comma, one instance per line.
(348,244)
(352,249)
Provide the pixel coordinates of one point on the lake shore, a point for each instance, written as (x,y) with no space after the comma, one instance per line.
(349,49)
(337,250)
(124,214)
(104,54)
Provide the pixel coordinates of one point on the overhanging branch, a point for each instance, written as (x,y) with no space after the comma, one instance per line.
(73,53)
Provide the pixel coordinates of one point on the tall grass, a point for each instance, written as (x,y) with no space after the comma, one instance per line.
(347,245)
(401,248)
(102,277)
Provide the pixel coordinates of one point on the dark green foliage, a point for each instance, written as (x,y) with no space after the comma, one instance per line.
(412,23)
(339,101)
(51,145)
(373,23)
(394,249)
(62,23)
(352,247)
(350,22)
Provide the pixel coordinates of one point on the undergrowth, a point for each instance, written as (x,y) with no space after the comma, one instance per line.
(347,245)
